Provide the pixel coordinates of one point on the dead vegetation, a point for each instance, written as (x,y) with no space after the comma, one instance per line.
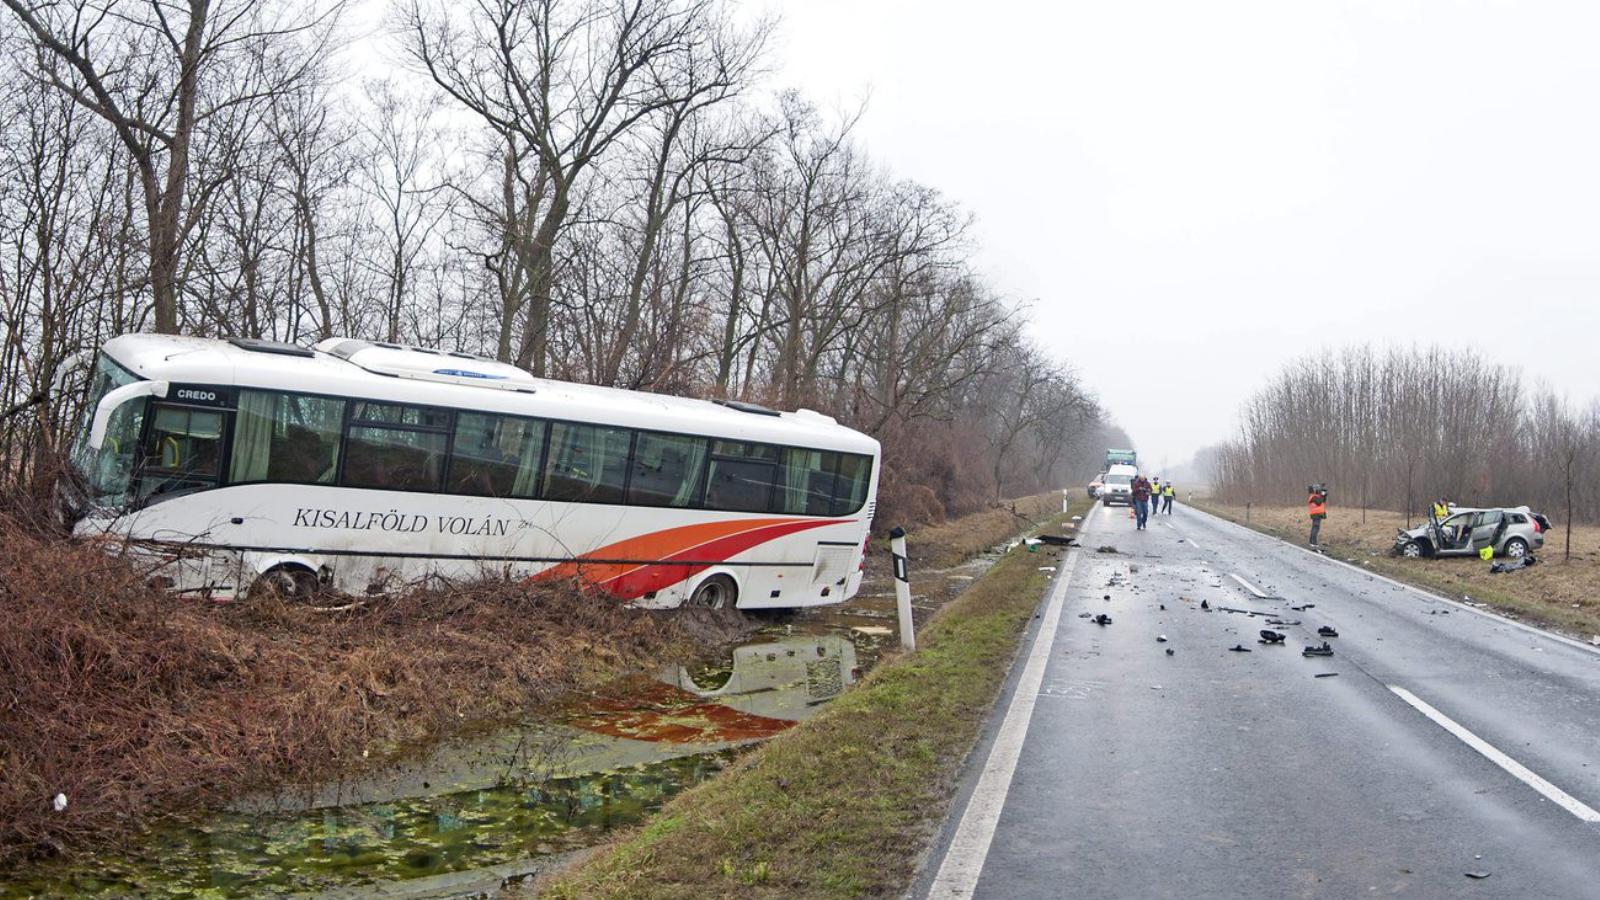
(132,703)
(941,546)
(1557,592)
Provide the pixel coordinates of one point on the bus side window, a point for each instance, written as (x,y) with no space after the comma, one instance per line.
(807,485)
(184,451)
(742,476)
(588,463)
(286,437)
(666,470)
(850,489)
(496,456)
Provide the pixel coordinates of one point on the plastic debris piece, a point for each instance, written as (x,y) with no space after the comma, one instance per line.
(1161,639)
(1268,636)
(59,803)
(1324,650)
(1325,675)
(1327,631)
(1204,605)
(1102,619)
(1239,648)
(1478,875)
(1108,597)
(1597,637)
(1105,548)
(1084,615)
(1170,651)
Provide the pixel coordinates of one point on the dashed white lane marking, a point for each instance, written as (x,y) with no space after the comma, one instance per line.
(1247,586)
(963,861)
(1522,773)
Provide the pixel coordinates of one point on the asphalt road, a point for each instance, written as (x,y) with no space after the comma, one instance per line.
(1444,742)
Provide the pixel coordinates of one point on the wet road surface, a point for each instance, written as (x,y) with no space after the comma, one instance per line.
(1439,742)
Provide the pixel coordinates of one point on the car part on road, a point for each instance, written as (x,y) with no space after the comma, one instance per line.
(1303,608)
(1325,650)
(1161,639)
(1105,548)
(1268,636)
(1282,622)
(1170,651)
(1239,648)
(1478,875)
(1326,675)
(1327,631)
(1102,619)
(1205,606)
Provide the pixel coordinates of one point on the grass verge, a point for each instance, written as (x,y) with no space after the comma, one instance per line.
(843,804)
(950,543)
(1558,593)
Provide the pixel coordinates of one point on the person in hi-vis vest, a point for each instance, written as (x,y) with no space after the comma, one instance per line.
(1317,506)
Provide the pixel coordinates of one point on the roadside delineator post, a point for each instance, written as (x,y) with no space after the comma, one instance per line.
(1063,500)
(902,588)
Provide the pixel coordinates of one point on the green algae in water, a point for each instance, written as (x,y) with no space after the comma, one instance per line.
(351,846)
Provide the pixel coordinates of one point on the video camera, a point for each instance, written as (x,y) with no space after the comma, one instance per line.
(1320,489)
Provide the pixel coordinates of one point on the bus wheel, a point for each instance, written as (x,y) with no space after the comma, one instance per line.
(288,582)
(715,592)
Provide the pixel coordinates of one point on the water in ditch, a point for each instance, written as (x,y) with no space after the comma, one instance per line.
(525,794)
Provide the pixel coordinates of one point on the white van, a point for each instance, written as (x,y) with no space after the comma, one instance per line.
(1117,485)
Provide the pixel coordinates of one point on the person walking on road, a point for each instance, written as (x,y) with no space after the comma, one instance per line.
(1167,493)
(1317,507)
(1141,501)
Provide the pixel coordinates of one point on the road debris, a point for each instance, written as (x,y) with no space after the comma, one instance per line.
(1058,541)
(1525,562)
(1326,675)
(1478,875)
(1105,548)
(1161,639)
(1084,615)
(1102,619)
(1170,651)
(1205,606)
(1239,648)
(1303,608)
(1268,636)
(1245,612)
(1327,631)
(1324,650)
(1282,622)
(1047,568)
(59,803)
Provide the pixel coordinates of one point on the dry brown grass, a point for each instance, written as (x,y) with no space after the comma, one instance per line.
(1556,593)
(133,703)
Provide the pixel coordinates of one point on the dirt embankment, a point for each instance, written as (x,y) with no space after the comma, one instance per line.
(1557,592)
(939,546)
(132,704)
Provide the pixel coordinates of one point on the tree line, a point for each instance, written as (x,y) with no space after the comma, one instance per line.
(1397,428)
(597,190)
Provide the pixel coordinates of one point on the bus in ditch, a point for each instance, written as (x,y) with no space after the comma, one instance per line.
(364,467)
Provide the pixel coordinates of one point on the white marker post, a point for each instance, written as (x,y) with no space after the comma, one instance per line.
(902,588)
(1063,500)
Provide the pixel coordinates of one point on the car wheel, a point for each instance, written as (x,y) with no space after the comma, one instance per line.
(716,592)
(1411,550)
(1516,548)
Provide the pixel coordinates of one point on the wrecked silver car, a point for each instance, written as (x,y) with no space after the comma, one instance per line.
(1513,531)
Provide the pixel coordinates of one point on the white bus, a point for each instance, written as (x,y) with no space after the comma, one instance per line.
(364,467)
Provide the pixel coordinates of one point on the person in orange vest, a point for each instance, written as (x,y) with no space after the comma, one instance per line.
(1317,507)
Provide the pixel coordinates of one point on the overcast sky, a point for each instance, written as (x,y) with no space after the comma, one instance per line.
(1191,193)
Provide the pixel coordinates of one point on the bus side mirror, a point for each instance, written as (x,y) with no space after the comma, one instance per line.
(114,399)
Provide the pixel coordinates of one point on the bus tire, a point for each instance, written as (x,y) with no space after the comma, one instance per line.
(290,582)
(716,592)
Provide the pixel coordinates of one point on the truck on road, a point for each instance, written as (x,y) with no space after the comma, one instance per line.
(1120,458)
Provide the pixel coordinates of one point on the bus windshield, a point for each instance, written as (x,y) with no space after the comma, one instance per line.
(109,471)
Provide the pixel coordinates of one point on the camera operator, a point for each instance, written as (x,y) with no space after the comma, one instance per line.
(1317,506)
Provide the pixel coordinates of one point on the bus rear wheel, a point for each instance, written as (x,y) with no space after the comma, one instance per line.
(288,582)
(716,592)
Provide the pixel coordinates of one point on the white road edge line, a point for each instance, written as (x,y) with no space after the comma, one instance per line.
(1410,588)
(1247,586)
(969,847)
(1522,773)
